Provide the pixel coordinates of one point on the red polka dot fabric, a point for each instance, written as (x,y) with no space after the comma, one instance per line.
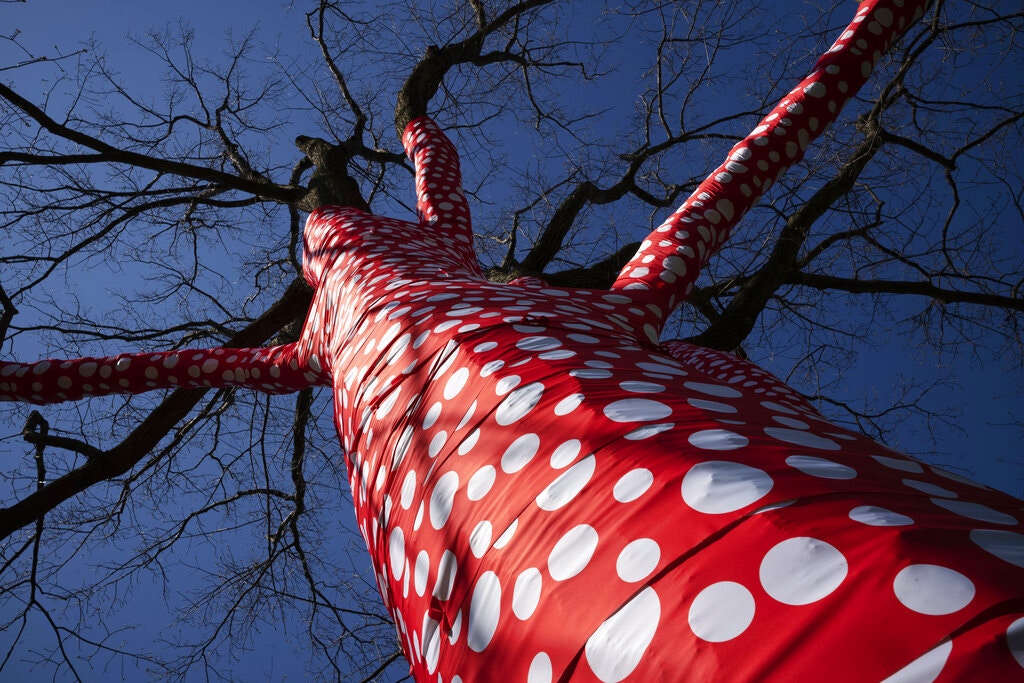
(549,493)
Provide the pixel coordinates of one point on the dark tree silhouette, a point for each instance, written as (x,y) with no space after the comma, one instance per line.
(546,489)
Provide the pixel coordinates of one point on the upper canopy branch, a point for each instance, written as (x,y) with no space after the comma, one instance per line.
(426,77)
(111,154)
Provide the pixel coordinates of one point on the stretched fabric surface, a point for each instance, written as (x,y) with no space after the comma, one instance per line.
(549,493)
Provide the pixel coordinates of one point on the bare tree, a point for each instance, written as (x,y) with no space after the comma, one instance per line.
(172,221)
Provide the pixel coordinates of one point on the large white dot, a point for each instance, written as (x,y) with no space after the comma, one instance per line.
(431,648)
(538,343)
(518,403)
(713,406)
(636,410)
(455,383)
(873,515)
(636,387)
(617,646)
(802,570)
(568,404)
(484,611)
(1008,546)
(720,486)
(540,669)
(396,551)
(480,538)
(408,489)
(801,438)
(820,467)
(567,486)
(925,668)
(720,390)
(446,570)
(1015,640)
(929,488)
(572,552)
(481,482)
(898,463)
(721,612)
(565,453)
(717,440)
(519,453)
(931,589)
(526,593)
(982,513)
(632,485)
(637,560)
(442,498)
(422,570)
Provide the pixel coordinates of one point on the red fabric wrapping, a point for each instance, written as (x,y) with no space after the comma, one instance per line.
(548,495)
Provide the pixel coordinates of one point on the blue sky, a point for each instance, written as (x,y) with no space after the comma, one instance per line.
(988,394)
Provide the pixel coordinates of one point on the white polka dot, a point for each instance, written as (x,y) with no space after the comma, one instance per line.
(778,407)
(929,488)
(637,560)
(572,552)
(982,513)
(617,646)
(437,443)
(647,431)
(422,570)
(720,486)
(518,403)
(431,649)
(721,612)
(455,383)
(568,404)
(540,669)
(1008,546)
(480,538)
(711,405)
(442,499)
(719,390)
(538,343)
(635,387)
(632,485)
(507,535)
(925,668)
(431,417)
(507,384)
(802,570)
(408,489)
(717,440)
(484,611)
(636,410)
(566,487)
(526,593)
(467,444)
(931,589)
(446,570)
(396,552)
(1015,640)
(898,463)
(801,438)
(565,453)
(820,467)
(481,482)
(519,453)
(877,516)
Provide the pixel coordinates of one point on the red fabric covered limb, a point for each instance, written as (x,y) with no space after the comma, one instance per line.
(669,260)
(273,370)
